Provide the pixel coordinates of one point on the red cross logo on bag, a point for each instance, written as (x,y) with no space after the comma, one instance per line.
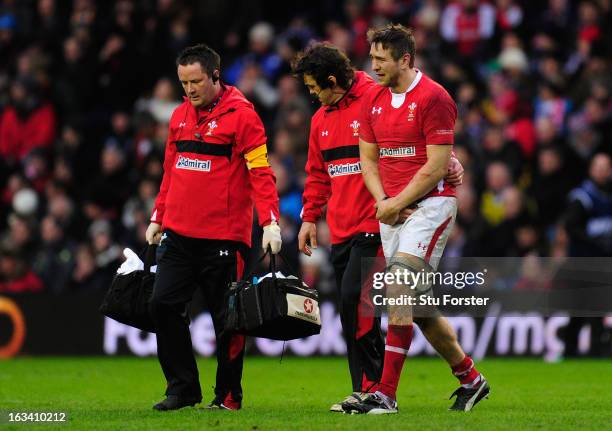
(308,305)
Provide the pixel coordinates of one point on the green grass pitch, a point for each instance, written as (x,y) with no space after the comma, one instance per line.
(118,393)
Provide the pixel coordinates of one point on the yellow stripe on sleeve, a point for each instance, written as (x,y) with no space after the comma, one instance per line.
(257,158)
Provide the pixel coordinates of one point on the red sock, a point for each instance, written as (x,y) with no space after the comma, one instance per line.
(465,371)
(366,384)
(396,350)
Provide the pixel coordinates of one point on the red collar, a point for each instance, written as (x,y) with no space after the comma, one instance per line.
(209,108)
(347,98)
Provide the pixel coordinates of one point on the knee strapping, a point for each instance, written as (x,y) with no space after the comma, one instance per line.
(417,278)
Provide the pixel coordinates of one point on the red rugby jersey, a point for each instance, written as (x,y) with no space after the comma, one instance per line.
(207,189)
(333,168)
(425,115)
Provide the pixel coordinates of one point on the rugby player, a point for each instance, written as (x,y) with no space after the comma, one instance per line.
(406,139)
(334,179)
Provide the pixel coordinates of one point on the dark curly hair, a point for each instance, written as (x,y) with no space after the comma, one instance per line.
(203,54)
(321,60)
(396,38)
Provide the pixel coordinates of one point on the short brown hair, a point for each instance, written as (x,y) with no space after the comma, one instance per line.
(396,38)
(322,60)
(207,57)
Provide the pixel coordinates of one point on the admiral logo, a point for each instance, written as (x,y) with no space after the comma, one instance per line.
(193,164)
(344,169)
(376,109)
(355,126)
(397,152)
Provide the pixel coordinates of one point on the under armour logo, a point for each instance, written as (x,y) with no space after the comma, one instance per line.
(223,253)
(163,237)
(422,246)
(182,124)
(367,235)
(376,109)
(325,133)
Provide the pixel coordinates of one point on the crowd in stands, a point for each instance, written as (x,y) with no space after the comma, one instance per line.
(87,89)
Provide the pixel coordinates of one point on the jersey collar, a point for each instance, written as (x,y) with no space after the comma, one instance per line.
(347,98)
(415,82)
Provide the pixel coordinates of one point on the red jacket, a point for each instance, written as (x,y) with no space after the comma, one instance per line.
(20,136)
(215,166)
(334,171)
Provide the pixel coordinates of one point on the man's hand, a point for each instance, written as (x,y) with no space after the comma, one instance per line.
(455,172)
(405,213)
(307,238)
(387,211)
(153,234)
(272,238)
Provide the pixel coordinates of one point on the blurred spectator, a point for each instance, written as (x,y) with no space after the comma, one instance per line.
(514,233)
(15,277)
(509,15)
(8,46)
(588,222)
(468,25)
(261,54)
(588,219)
(472,227)
(73,87)
(162,102)
(358,25)
(107,254)
(61,207)
(85,275)
(35,167)
(54,259)
(496,148)
(27,123)
(550,185)
(137,210)
(551,104)
(290,203)
(109,190)
(21,236)
(498,179)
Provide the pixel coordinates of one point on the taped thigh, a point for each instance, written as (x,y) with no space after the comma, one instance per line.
(419,281)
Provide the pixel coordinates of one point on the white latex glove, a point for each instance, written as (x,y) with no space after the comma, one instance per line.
(132,262)
(272,238)
(153,234)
